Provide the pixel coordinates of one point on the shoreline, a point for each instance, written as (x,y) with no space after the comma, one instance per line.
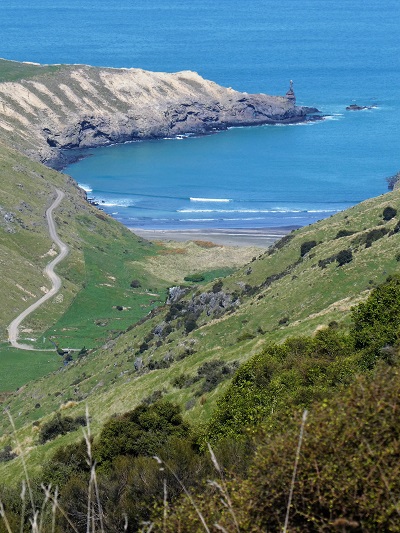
(240,237)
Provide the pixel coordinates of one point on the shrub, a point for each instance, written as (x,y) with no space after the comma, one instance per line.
(194,278)
(143,347)
(135,284)
(389,213)
(190,323)
(217,287)
(343,233)
(245,336)
(6,454)
(344,256)
(179,381)
(375,235)
(154,397)
(376,322)
(306,247)
(142,431)
(59,426)
(214,372)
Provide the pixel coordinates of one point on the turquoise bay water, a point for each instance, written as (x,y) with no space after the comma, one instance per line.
(337,53)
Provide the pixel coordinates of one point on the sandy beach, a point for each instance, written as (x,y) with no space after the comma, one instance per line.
(260,237)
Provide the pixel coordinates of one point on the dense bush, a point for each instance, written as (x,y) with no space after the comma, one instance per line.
(348,475)
(306,247)
(344,256)
(303,369)
(375,235)
(59,425)
(281,377)
(376,322)
(140,432)
(194,278)
(343,233)
(348,472)
(214,372)
(217,287)
(190,323)
(388,213)
(6,454)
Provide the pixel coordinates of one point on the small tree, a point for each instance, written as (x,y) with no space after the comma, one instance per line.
(217,287)
(344,256)
(388,213)
(190,323)
(306,247)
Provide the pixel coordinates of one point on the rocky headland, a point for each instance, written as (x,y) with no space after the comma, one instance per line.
(52,113)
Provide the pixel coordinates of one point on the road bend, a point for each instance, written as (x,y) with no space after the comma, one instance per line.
(13,328)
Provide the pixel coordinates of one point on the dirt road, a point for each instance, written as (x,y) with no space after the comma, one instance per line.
(13,328)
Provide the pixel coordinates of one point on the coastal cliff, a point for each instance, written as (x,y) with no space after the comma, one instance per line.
(51,110)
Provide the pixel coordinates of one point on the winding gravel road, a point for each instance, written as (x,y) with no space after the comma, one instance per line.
(13,328)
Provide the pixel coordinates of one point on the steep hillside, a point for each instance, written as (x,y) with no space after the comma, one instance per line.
(44,109)
(307,280)
(105,258)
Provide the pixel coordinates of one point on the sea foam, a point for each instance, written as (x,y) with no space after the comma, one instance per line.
(221,200)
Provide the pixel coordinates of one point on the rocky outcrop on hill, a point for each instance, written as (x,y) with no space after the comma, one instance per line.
(78,107)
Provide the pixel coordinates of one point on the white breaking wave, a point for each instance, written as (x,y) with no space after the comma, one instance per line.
(85,187)
(222,200)
(276,210)
(119,202)
(231,211)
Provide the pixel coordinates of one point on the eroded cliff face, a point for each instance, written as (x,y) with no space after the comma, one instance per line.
(82,107)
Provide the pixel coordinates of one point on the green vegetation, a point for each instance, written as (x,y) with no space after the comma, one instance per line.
(20,366)
(275,296)
(306,247)
(15,71)
(347,477)
(285,377)
(255,432)
(344,257)
(388,213)
(59,425)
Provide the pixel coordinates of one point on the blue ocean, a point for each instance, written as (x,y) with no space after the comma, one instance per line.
(337,52)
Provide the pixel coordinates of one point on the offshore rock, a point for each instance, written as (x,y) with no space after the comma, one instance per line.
(78,107)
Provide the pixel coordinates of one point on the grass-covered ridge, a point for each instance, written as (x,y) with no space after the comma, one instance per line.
(16,71)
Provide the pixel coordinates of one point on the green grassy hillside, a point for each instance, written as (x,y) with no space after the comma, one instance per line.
(96,299)
(16,71)
(284,291)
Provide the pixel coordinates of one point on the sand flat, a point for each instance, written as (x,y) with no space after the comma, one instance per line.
(260,237)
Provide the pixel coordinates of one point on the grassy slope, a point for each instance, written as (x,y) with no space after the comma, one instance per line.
(105,257)
(16,71)
(310,296)
(101,250)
